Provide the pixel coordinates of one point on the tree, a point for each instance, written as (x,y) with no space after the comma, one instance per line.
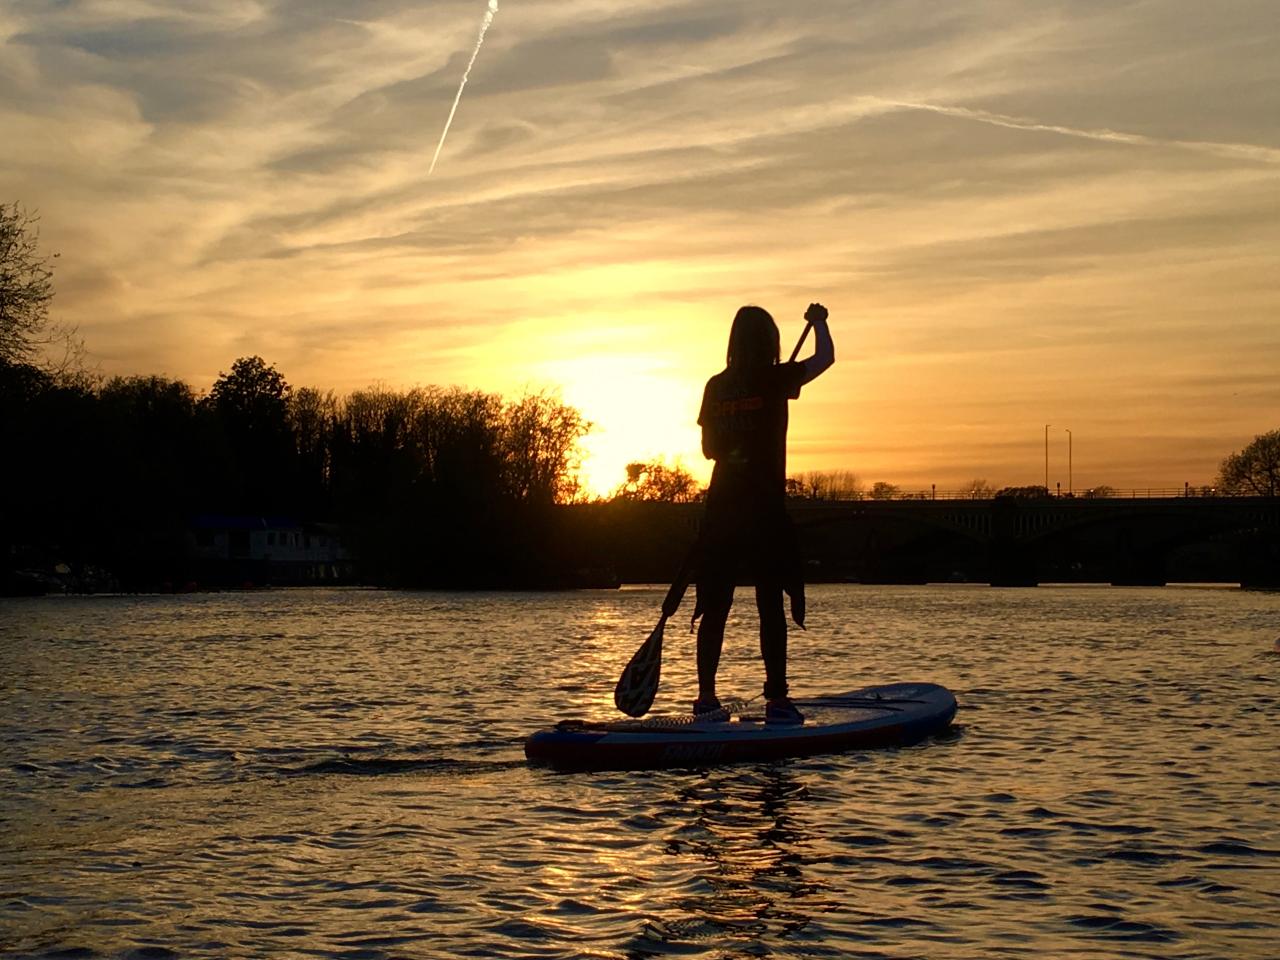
(312,419)
(1255,470)
(26,285)
(252,405)
(884,491)
(656,481)
(1034,492)
(540,438)
(978,490)
(384,446)
(253,394)
(826,485)
(160,464)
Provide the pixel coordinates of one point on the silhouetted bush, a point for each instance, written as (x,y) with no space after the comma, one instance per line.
(1023,493)
(658,482)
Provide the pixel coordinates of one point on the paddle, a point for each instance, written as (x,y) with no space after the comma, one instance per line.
(638,684)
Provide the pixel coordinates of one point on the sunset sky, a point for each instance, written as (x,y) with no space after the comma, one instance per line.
(1019,213)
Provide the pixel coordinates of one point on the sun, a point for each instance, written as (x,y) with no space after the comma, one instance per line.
(638,412)
(634,369)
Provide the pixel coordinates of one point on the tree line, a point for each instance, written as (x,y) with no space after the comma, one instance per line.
(436,485)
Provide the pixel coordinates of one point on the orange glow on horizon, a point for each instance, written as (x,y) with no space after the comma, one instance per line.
(638,412)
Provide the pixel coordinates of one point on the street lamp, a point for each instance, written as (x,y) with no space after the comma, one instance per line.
(1046,456)
(1070,485)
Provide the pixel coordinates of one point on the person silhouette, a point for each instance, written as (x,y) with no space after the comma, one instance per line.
(747,536)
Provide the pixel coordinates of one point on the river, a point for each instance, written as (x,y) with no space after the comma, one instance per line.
(339,773)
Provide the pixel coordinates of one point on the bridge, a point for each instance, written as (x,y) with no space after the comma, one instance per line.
(1014,541)
(1003,541)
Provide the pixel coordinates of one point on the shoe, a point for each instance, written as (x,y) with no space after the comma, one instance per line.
(781,712)
(708,705)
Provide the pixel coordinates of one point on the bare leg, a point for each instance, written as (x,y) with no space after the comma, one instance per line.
(716,599)
(773,638)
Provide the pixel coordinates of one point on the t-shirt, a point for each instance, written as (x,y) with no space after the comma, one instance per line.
(744,429)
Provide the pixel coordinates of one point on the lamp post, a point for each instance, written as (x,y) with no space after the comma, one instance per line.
(1046,456)
(1070,485)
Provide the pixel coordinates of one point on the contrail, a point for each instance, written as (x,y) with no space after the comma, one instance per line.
(1233,151)
(484,25)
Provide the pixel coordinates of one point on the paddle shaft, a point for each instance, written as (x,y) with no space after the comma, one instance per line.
(800,343)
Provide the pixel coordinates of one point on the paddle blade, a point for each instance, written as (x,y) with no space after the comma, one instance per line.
(638,684)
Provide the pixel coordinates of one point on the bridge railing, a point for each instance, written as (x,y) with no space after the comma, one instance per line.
(1107,493)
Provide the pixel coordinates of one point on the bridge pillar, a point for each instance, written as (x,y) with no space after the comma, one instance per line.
(1011,560)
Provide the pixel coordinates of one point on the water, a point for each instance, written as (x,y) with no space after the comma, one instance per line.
(340,774)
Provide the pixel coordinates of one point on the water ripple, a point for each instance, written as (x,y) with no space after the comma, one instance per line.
(339,774)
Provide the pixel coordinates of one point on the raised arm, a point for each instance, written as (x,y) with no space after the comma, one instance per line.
(824,351)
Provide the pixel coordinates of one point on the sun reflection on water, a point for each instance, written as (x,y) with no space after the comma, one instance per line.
(743,828)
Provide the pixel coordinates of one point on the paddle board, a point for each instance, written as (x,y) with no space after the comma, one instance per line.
(893,714)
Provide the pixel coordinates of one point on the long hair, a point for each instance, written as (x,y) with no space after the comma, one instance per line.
(753,340)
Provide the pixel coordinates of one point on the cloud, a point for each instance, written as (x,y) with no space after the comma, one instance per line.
(1007,204)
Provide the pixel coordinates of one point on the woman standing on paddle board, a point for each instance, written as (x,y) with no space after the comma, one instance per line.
(747,535)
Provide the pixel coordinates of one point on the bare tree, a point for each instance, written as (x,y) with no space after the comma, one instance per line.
(978,490)
(826,485)
(26,285)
